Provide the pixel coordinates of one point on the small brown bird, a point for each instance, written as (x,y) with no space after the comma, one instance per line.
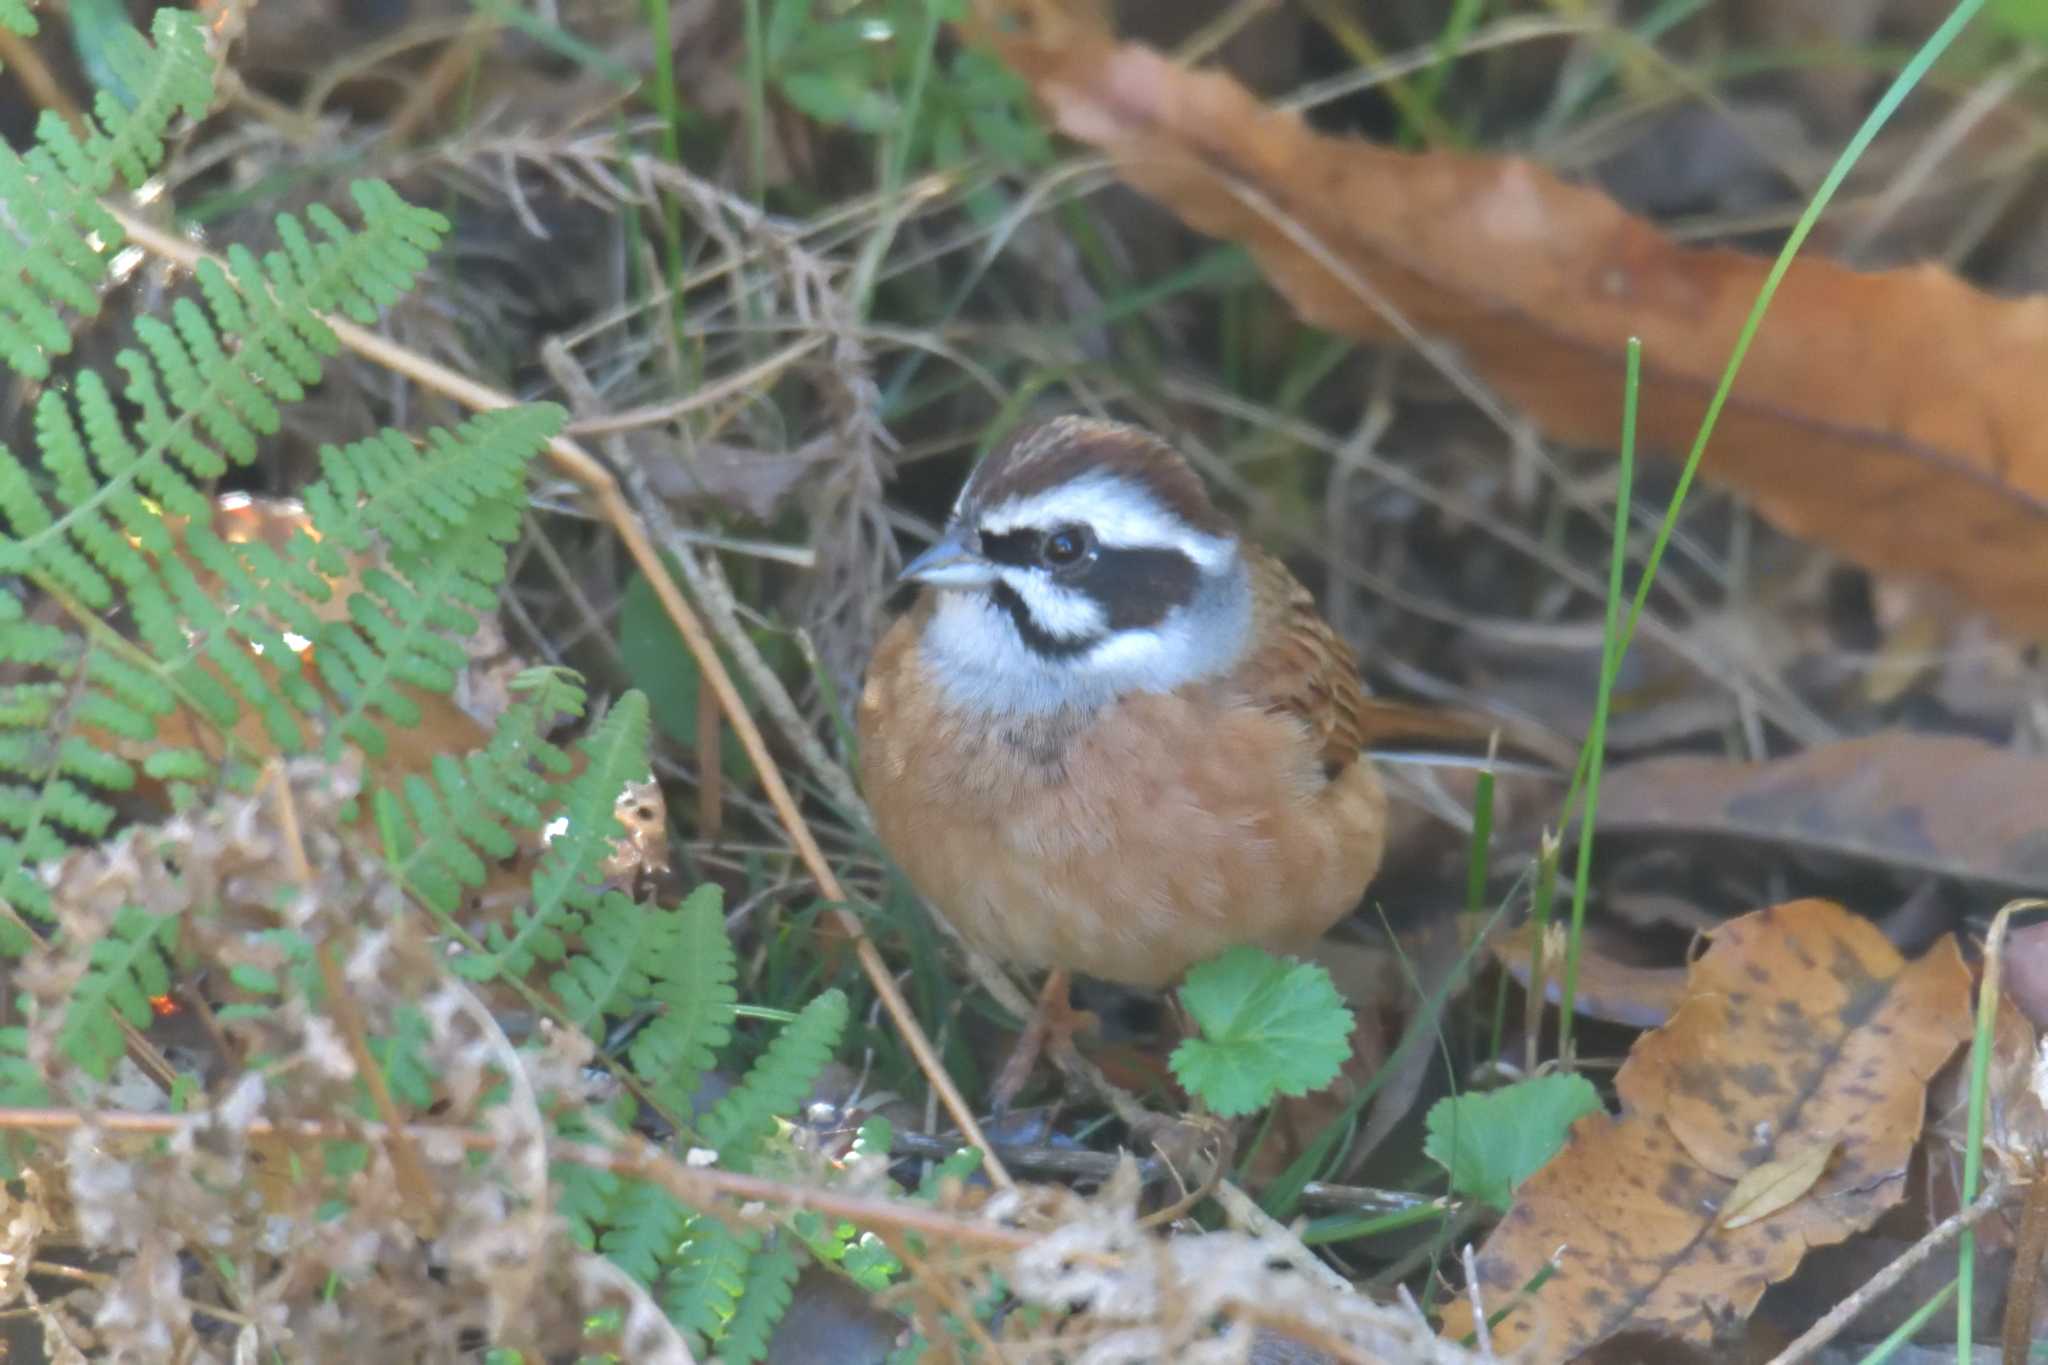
(1111,737)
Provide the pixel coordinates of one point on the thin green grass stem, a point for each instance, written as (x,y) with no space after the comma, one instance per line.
(1908,1329)
(1611,645)
(1973,1148)
(670,107)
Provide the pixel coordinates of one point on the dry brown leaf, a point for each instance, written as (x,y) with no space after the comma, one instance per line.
(1896,417)
(1937,803)
(1801,1027)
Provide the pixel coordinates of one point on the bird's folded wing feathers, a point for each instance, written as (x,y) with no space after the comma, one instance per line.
(1304,669)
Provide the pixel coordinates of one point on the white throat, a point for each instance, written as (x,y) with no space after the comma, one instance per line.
(983,665)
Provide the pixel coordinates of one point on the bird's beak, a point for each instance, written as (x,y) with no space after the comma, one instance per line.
(949,563)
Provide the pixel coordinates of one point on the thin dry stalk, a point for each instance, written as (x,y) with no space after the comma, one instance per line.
(2024,1286)
(1884,1281)
(38,82)
(698,1186)
(341,1001)
(1482,1331)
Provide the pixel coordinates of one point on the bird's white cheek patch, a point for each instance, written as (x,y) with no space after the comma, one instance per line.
(1059,612)
(1129,649)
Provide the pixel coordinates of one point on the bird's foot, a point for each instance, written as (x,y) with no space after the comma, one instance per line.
(1049,1032)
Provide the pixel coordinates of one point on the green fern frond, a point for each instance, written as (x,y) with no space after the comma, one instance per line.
(56,237)
(448,514)
(694,985)
(201,406)
(615,967)
(566,883)
(679,960)
(863,1257)
(702,1293)
(764,1298)
(647,1230)
(224,645)
(404,1056)
(22,1086)
(440,833)
(615,754)
(778,1084)
(584,1197)
(125,969)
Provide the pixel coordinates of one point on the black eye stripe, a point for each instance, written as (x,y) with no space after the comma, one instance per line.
(1011,547)
(1136,589)
(1139,588)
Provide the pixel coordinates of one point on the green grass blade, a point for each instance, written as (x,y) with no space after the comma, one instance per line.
(1611,645)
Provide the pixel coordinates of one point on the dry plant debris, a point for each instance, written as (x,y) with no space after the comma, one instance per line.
(1787,1091)
(1919,446)
(474,1253)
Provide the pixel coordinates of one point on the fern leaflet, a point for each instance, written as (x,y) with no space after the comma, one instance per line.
(566,882)
(126,968)
(771,1280)
(703,1291)
(648,1227)
(57,239)
(447,557)
(440,832)
(679,960)
(778,1083)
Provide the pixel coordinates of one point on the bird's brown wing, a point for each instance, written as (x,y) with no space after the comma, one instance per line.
(1302,667)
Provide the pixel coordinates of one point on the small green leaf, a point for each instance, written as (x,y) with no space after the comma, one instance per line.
(1270,1026)
(661,665)
(1491,1142)
(252,978)
(838,97)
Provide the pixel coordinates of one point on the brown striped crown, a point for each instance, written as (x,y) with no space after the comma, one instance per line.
(1065,449)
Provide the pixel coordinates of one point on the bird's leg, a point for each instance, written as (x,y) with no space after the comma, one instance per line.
(1051,1028)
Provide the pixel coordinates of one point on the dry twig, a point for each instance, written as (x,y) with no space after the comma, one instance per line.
(1884,1281)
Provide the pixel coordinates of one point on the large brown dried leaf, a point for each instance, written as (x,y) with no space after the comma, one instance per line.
(1801,1026)
(1938,803)
(1898,418)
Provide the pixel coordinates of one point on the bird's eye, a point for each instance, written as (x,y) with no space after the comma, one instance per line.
(1067,546)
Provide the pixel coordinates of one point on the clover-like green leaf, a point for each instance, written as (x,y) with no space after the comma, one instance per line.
(1492,1141)
(1269,1026)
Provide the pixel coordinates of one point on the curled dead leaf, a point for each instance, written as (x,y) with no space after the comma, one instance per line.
(1801,1030)
(1921,447)
(1765,1189)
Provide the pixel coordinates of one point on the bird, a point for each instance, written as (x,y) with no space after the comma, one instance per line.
(1110,735)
